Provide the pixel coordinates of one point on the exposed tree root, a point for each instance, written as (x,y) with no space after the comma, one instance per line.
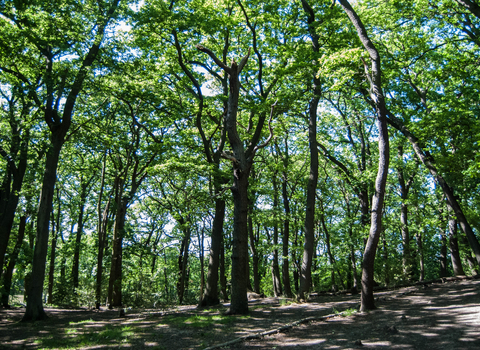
(272,331)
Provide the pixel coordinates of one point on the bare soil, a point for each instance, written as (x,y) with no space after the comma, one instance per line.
(438,316)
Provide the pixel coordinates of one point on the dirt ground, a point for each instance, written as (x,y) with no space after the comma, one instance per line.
(440,316)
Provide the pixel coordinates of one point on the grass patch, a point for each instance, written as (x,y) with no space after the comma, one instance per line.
(80,337)
(286,302)
(199,321)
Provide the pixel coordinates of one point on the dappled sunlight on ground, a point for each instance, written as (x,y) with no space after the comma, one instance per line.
(441,316)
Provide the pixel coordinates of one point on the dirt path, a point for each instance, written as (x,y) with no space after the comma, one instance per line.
(442,316)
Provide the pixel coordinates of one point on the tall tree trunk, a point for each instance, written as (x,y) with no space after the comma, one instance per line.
(443,254)
(375,79)
(386,265)
(53,250)
(201,239)
(7,276)
(418,237)
(277,283)
(223,277)
(242,161)
(404,190)
(309,226)
(454,251)
(286,230)
(183,261)
(34,310)
(115,280)
(255,257)
(102,220)
(331,259)
(211,291)
(102,239)
(78,236)
(58,130)
(10,189)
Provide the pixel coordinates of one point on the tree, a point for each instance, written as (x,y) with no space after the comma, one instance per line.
(376,93)
(51,38)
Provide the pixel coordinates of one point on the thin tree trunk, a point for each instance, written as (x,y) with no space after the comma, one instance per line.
(286,231)
(331,259)
(223,277)
(454,251)
(202,269)
(9,193)
(418,237)
(386,265)
(255,257)
(78,236)
(211,291)
(443,254)
(7,276)
(53,248)
(309,226)
(102,235)
(183,262)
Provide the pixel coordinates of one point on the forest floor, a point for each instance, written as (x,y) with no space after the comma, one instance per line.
(440,316)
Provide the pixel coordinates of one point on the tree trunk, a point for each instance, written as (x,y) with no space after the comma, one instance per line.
(34,310)
(418,237)
(404,189)
(375,79)
(102,239)
(53,248)
(309,226)
(78,236)
(242,161)
(286,233)
(183,261)
(7,277)
(9,192)
(102,236)
(211,291)
(454,251)
(443,254)
(223,277)
(202,263)
(331,259)
(115,280)
(255,257)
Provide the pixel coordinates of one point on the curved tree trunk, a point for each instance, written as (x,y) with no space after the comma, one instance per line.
(374,76)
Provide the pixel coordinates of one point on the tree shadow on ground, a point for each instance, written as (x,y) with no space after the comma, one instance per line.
(443,316)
